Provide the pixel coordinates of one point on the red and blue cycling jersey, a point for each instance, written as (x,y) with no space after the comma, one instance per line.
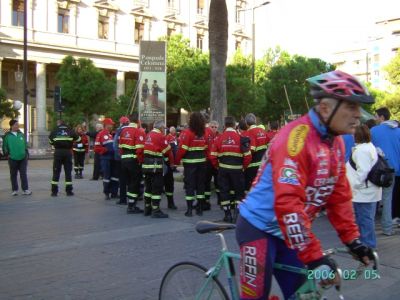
(302,172)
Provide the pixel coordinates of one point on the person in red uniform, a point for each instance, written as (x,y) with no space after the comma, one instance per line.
(103,145)
(172,141)
(231,157)
(258,145)
(273,130)
(211,135)
(131,144)
(80,149)
(192,151)
(303,172)
(157,154)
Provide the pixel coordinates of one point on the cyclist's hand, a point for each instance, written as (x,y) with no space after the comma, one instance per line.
(325,271)
(361,252)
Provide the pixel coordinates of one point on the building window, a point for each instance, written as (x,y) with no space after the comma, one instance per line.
(200,41)
(238,45)
(376,58)
(18,13)
(139,32)
(4,79)
(170,31)
(200,7)
(63,21)
(173,5)
(103,27)
(238,14)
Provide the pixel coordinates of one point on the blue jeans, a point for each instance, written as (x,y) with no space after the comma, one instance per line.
(386,220)
(365,219)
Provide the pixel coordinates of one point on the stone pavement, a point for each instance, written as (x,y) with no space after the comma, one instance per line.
(84,247)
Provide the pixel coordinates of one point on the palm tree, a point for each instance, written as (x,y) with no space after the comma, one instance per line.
(218,44)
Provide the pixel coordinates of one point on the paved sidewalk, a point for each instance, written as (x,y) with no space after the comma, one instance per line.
(84,247)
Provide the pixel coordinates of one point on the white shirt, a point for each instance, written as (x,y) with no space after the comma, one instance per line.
(364,156)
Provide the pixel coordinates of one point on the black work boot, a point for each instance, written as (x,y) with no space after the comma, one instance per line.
(158,214)
(76,175)
(133,209)
(235,210)
(207,205)
(70,193)
(171,204)
(147,206)
(228,215)
(188,212)
(199,208)
(107,197)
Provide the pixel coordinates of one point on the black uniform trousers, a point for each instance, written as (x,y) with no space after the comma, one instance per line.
(250,173)
(229,179)
(110,177)
(154,183)
(97,167)
(62,158)
(122,181)
(130,170)
(210,173)
(79,161)
(194,180)
(169,182)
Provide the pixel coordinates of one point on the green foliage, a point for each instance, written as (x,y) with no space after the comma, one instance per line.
(291,73)
(393,70)
(85,89)
(6,107)
(188,73)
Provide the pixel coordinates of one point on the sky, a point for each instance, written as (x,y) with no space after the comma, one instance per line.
(317,28)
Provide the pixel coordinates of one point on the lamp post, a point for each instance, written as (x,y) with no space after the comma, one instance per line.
(253,40)
(25,70)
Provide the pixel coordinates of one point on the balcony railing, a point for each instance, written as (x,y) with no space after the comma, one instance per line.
(55,39)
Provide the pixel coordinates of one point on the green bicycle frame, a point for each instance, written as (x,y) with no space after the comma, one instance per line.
(225,261)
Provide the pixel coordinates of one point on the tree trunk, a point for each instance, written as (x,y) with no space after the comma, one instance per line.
(218,44)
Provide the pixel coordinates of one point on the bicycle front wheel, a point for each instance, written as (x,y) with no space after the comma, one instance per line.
(188,281)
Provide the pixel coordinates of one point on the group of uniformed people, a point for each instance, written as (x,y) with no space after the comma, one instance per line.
(129,154)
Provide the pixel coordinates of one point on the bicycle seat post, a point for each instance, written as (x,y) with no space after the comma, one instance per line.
(223,242)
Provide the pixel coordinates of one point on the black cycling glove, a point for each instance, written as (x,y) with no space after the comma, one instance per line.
(359,250)
(324,260)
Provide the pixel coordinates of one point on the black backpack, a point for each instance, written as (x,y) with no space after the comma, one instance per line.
(381,173)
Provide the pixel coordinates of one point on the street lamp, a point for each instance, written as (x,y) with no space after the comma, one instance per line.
(253,38)
(25,69)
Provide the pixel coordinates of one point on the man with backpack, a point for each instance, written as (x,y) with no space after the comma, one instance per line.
(386,136)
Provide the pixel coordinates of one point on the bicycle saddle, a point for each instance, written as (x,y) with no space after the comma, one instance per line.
(208,226)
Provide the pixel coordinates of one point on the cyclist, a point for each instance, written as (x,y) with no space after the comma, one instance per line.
(302,172)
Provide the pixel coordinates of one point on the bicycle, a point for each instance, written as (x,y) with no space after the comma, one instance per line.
(189,280)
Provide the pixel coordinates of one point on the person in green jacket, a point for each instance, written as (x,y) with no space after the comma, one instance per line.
(16,148)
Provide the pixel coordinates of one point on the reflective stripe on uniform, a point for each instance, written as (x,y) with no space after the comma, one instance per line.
(223,203)
(125,146)
(147,195)
(152,166)
(68,183)
(169,194)
(149,152)
(189,198)
(63,139)
(207,193)
(194,160)
(128,156)
(106,180)
(233,167)
(132,195)
(200,196)
(255,164)
(262,147)
(114,179)
(166,149)
(230,154)
(156,197)
(54,182)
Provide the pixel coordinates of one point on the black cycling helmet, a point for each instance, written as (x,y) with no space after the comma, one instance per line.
(339,85)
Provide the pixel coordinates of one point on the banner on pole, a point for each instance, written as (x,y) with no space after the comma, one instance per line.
(152,82)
